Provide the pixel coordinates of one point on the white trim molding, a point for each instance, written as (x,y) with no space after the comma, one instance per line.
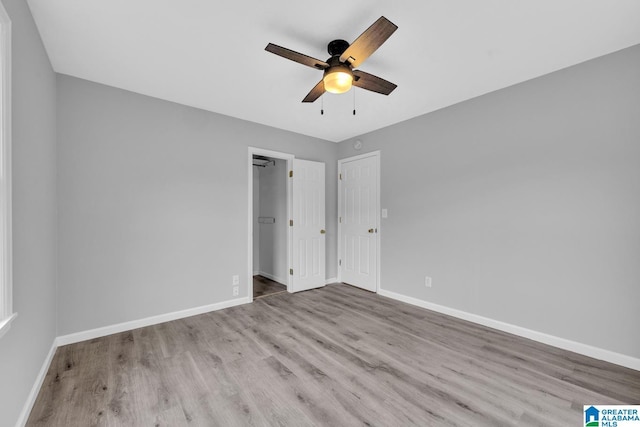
(153,320)
(565,344)
(33,394)
(5,323)
(6,280)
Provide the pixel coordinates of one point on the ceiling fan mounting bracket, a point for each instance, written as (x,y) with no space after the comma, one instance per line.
(337,47)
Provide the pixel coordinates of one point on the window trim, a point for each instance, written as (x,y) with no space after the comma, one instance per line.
(6,278)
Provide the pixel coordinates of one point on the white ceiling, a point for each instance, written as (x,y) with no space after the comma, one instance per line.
(210,54)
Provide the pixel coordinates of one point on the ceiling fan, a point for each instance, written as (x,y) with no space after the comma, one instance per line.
(339,74)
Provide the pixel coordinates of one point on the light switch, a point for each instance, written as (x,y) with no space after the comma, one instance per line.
(385,214)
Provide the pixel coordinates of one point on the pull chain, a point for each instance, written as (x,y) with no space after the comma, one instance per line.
(354,101)
(322,106)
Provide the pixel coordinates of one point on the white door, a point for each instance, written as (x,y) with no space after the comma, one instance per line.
(358,222)
(308,263)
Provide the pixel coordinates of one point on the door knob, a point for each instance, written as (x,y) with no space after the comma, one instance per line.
(371,230)
(322,231)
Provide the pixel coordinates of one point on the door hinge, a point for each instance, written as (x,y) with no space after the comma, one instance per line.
(290,174)
(340,262)
(340,219)
(340,176)
(290,223)
(291,271)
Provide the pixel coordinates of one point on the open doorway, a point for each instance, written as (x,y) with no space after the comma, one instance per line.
(269,214)
(270,219)
(303,250)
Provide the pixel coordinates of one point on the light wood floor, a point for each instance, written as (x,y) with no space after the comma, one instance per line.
(336,356)
(263,287)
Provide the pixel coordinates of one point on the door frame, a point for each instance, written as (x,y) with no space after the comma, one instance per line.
(289,159)
(375,154)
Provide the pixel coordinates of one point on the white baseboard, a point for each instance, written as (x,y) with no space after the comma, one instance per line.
(565,344)
(33,394)
(272,277)
(153,320)
(331,280)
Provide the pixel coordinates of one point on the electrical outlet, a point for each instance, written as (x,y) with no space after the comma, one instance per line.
(236,280)
(427,281)
(235,291)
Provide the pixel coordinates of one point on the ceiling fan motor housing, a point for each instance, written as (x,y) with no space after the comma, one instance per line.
(337,47)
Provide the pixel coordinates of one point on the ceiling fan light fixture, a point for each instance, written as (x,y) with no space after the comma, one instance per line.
(338,79)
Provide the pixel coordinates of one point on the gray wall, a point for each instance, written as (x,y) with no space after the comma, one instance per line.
(273,237)
(153,203)
(25,346)
(523,204)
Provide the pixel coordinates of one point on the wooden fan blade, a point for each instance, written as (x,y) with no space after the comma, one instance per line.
(297,57)
(373,83)
(315,93)
(368,42)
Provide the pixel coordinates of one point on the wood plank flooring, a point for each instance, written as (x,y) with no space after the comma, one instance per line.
(336,356)
(263,287)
